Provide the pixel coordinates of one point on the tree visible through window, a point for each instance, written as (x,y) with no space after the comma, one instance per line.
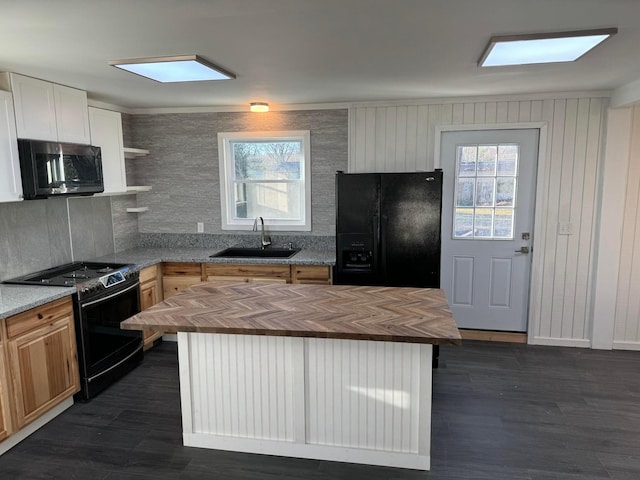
(265,174)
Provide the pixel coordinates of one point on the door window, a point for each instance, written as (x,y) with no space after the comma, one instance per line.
(485,191)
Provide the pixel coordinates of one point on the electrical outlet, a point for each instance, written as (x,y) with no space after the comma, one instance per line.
(200,227)
(565,228)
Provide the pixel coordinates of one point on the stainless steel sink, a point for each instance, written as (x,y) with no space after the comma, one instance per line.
(242,252)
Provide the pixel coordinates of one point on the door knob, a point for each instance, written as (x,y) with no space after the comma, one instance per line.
(524,249)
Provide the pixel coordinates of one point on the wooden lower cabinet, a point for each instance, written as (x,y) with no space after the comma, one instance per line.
(42,357)
(248,272)
(318,274)
(178,276)
(150,294)
(5,416)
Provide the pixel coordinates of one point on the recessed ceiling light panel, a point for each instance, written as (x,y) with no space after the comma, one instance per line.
(542,48)
(259,107)
(183,68)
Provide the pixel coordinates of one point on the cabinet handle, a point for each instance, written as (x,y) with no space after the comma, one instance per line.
(40,317)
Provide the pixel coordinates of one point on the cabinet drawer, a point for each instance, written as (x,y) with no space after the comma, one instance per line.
(235,278)
(181,269)
(248,270)
(36,317)
(311,274)
(149,274)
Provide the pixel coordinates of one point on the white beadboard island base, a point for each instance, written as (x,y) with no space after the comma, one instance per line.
(328,399)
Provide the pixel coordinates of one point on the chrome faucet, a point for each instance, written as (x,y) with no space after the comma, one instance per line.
(264,241)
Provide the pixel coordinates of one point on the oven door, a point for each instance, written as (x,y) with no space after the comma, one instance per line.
(104,344)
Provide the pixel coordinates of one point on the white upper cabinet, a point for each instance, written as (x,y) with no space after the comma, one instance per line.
(34,108)
(72,114)
(10,182)
(106,133)
(47,111)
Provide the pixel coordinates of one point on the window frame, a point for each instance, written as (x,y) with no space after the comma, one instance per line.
(513,208)
(227,181)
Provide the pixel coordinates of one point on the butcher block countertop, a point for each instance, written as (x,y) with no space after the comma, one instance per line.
(392,314)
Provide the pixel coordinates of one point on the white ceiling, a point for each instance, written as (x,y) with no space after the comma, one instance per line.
(310,51)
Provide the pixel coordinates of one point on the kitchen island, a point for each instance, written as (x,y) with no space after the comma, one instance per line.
(313,371)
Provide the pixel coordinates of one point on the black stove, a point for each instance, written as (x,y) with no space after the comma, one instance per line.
(87,277)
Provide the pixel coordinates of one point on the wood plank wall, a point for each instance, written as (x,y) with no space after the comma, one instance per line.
(627,317)
(402,138)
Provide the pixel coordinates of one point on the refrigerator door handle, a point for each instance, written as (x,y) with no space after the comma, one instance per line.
(380,255)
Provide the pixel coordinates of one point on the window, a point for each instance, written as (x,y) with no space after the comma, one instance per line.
(265,174)
(485,191)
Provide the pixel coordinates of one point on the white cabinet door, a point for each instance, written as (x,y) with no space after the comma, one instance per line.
(72,115)
(10,183)
(106,133)
(47,111)
(35,108)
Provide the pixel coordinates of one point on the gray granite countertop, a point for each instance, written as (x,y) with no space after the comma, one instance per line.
(145,257)
(19,298)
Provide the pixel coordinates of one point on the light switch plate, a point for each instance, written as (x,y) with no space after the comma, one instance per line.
(565,228)
(200,227)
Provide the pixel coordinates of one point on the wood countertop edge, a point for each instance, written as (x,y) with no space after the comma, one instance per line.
(127,325)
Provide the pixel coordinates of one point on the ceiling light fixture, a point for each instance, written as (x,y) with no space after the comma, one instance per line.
(259,107)
(181,68)
(542,47)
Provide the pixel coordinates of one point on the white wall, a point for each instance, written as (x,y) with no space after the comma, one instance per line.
(618,292)
(403,138)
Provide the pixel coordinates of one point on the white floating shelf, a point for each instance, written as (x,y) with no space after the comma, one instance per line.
(135,152)
(137,209)
(138,188)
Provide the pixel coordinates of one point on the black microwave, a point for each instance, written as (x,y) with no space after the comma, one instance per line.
(54,168)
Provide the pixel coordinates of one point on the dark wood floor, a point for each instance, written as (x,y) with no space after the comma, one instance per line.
(500,411)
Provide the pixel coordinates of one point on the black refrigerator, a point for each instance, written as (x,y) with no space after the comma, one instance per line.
(388,229)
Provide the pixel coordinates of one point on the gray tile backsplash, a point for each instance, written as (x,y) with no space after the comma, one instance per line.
(182,165)
(125,224)
(36,234)
(58,227)
(91,227)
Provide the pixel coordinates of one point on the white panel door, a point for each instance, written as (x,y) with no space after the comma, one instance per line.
(487,225)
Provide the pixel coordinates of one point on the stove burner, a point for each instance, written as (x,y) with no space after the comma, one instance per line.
(105,270)
(75,275)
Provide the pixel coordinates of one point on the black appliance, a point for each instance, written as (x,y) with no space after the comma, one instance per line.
(53,168)
(388,229)
(106,294)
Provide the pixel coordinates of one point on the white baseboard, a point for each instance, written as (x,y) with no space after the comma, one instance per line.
(304,450)
(560,342)
(20,435)
(626,346)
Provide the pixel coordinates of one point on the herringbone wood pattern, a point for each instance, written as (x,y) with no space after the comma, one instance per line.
(395,314)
